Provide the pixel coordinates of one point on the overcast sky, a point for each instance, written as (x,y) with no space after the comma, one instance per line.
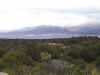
(17,14)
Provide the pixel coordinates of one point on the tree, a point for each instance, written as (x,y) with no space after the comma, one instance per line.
(16,57)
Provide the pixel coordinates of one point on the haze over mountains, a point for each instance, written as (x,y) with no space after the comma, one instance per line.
(47,32)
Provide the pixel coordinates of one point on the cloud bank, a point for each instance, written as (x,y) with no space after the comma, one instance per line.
(17,14)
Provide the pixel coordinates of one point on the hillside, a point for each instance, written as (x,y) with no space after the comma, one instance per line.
(50,55)
(51,32)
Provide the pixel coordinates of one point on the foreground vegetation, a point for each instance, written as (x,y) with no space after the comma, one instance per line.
(50,56)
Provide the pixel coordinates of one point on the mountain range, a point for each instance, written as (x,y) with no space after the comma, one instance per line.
(48,32)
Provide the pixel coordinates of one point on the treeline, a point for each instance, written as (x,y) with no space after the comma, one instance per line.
(80,52)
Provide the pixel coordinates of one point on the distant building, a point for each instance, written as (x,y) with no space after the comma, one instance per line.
(55,44)
(52,44)
(58,44)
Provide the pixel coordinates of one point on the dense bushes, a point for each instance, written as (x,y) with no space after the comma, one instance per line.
(81,52)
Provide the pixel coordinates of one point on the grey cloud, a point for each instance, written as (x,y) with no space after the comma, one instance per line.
(3,11)
(85,11)
(93,14)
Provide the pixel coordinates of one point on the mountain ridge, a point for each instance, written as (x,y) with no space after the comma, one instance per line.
(44,31)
